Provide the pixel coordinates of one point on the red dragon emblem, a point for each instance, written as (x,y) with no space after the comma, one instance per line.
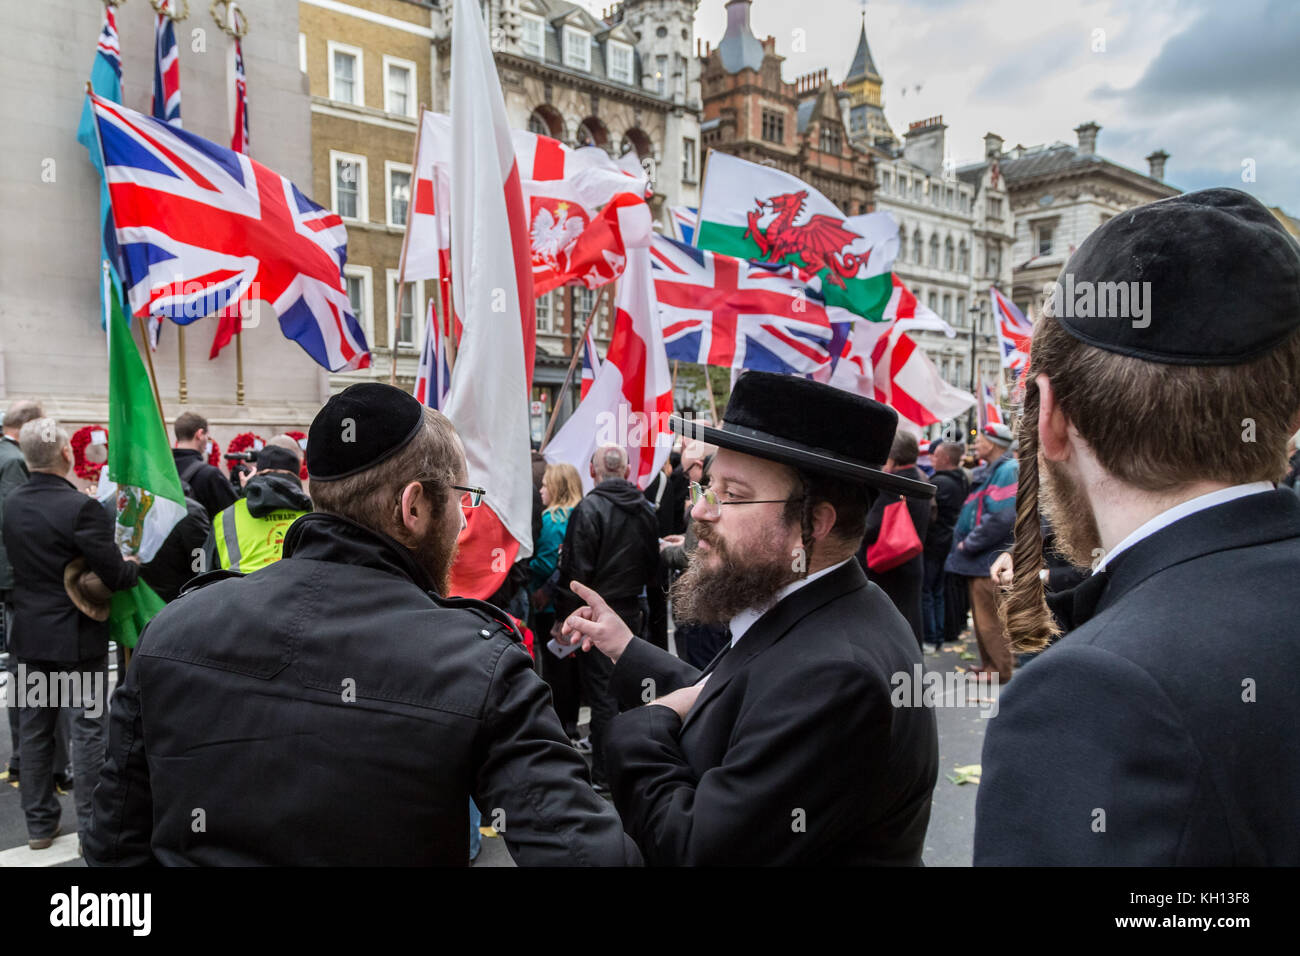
(818,244)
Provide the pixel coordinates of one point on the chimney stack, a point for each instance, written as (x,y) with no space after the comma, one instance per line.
(992,145)
(1156,161)
(1087,134)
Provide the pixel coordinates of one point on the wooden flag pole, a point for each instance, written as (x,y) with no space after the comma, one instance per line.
(674,385)
(406,238)
(573,363)
(182,388)
(239,362)
(148,355)
(713,405)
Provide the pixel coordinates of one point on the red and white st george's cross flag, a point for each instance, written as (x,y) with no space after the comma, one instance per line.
(631,398)
(493,289)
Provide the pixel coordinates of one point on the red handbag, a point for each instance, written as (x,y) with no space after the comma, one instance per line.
(898,542)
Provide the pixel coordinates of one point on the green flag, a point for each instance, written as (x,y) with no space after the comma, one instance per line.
(149,497)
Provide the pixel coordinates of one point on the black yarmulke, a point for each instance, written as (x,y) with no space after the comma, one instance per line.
(360,427)
(1216,274)
(275,458)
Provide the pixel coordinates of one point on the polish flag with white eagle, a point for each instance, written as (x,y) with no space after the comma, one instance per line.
(631,398)
(493,288)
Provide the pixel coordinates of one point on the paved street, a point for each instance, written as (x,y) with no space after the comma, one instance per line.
(948,841)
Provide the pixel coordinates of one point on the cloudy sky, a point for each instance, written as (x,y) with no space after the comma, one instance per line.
(1214,83)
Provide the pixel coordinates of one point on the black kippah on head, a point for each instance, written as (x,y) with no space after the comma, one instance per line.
(1206,278)
(358,428)
(275,458)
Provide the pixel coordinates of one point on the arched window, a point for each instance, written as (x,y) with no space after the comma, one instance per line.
(934,251)
(592,132)
(918,248)
(963,257)
(546,121)
(947,254)
(902,245)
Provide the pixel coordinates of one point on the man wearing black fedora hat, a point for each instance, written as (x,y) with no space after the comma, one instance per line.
(336,706)
(1159,730)
(788,748)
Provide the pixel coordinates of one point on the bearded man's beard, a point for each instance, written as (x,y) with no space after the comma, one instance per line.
(731,584)
(435,553)
(1074,526)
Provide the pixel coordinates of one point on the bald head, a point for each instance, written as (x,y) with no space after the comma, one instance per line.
(19,413)
(610,461)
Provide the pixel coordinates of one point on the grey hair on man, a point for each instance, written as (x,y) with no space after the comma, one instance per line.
(609,461)
(42,441)
(19,413)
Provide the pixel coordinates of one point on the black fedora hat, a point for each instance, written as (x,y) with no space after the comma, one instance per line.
(816,427)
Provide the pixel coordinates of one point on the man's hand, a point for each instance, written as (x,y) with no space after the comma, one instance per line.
(245,475)
(1000,573)
(595,625)
(133,558)
(681,700)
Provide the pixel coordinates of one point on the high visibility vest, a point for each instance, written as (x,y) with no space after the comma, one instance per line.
(246,543)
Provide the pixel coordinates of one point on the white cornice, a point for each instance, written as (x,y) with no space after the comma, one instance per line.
(348,10)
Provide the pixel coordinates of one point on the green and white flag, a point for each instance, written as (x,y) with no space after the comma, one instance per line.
(757,212)
(149,497)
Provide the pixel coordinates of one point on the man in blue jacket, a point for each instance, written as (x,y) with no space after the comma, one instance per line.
(983,532)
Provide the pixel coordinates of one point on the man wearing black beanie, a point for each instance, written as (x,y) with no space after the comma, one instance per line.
(1164,380)
(336,707)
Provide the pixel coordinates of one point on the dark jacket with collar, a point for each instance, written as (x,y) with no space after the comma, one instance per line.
(951,487)
(48,523)
(793,752)
(331,710)
(210,486)
(1168,707)
(13,472)
(611,544)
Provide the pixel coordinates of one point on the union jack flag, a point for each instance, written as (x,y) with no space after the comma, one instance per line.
(718,310)
(1014,331)
(683,220)
(239,139)
(433,377)
(590,361)
(110,47)
(202,228)
(166,70)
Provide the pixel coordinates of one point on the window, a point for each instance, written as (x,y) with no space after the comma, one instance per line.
(397,177)
(886,181)
(994,207)
(357,280)
(411,306)
(934,251)
(994,259)
(902,245)
(963,257)
(302,53)
(346,84)
(532,36)
(661,75)
(584,300)
(545,319)
(577,49)
(620,61)
(934,302)
(916,190)
(399,86)
(918,249)
(948,261)
(962,317)
(688,159)
(537,124)
(961,371)
(1043,239)
(348,186)
(830,138)
(773,126)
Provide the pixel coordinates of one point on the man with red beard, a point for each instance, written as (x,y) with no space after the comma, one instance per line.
(336,707)
(793,746)
(1159,731)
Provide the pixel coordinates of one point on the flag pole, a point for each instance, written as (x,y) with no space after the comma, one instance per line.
(182,387)
(406,238)
(573,363)
(239,361)
(148,355)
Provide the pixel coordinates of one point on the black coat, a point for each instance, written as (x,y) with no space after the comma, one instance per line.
(1168,706)
(793,752)
(904,583)
(330,710)
(212,489)
(48,523)
(611,544)
(951,488)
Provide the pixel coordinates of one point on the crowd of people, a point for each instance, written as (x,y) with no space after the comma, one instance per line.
(736,630)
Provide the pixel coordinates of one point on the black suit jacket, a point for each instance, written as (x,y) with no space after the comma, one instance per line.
(793,753)
(47,524)
(1168,714)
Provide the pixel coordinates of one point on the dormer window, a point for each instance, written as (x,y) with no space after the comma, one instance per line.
(620,61)
(532,36)
(577,48)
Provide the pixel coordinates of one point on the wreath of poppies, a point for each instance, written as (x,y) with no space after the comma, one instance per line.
(214,457)
(89,470)
(242,442)
(298,437)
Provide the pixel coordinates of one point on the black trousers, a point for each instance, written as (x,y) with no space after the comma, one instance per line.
(560,674)
(595,669)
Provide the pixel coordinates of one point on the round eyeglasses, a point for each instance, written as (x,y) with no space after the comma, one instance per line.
(713,506)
